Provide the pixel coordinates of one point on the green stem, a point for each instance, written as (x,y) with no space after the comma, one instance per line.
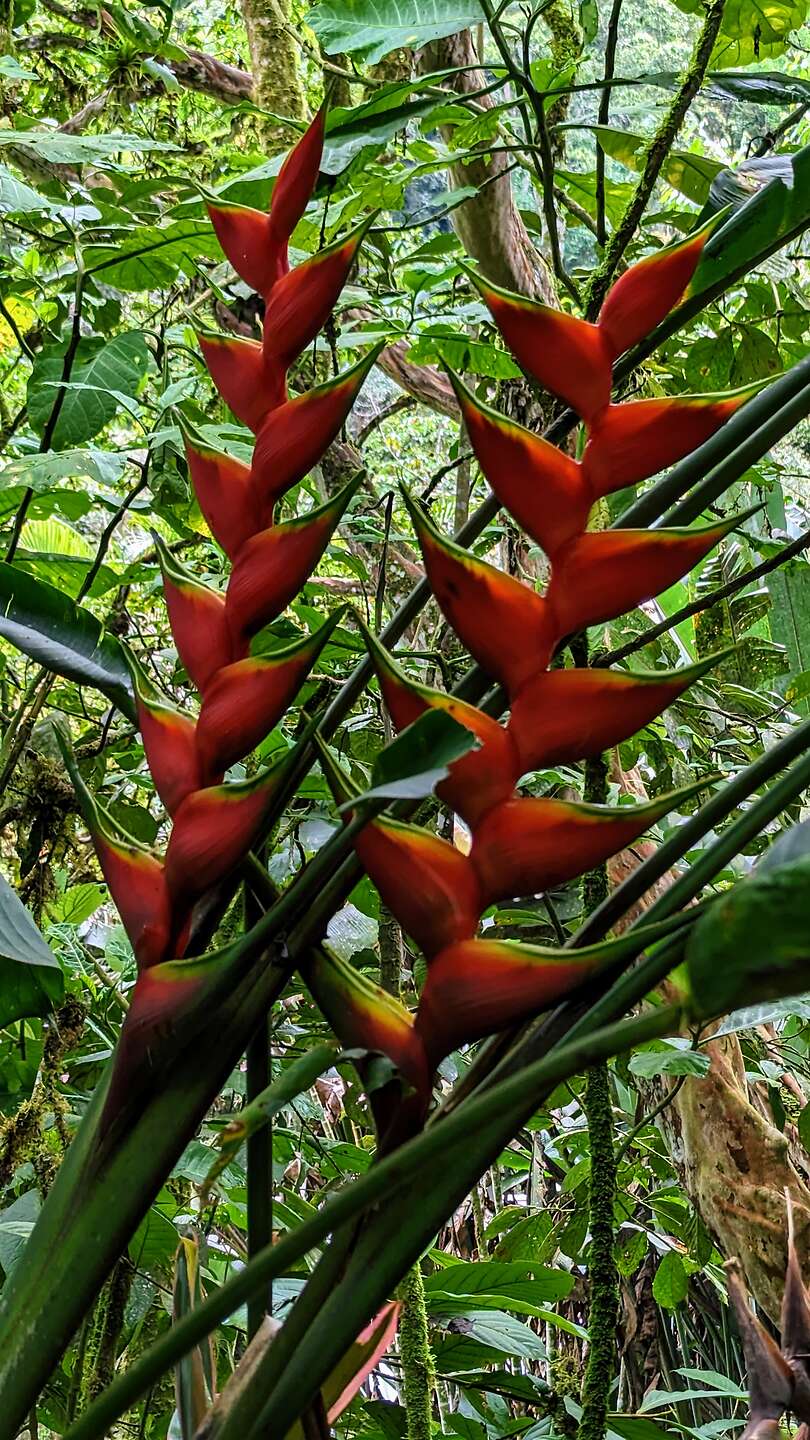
(492,1117)
(416,1356)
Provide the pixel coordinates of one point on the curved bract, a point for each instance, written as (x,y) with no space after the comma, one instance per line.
(520,845)
(216,821)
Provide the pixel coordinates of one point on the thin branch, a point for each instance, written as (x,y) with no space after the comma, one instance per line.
(604,115)
(656,156)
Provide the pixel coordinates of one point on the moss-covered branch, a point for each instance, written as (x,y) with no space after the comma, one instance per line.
(657,153)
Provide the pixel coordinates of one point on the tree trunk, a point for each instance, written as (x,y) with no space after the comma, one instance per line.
(274,61)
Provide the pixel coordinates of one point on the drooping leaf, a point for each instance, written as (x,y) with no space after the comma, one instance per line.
(31,981)
(737,953)
(416,762)
(52,629)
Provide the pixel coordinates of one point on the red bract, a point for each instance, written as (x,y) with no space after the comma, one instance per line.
(566,715)
(272,566)
(295,435)
(508,628)
(480,778)
(365,1015)
(215,823)
(525,846)
(245,700)
(528,845)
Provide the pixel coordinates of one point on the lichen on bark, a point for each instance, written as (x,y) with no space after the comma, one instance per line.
(277,83)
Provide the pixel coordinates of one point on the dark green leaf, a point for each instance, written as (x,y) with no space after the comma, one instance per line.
(754,942)
(669,1060)
(671,1282)
(52,629)
(31,982)
(102,373)
(416,762)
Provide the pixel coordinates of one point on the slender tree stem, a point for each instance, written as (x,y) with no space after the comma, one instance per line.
(657,153)
(418,1371)
(603,116)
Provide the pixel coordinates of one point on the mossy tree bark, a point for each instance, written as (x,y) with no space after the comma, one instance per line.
(274,56)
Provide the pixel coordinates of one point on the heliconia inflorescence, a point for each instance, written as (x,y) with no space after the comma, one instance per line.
(523,845)
(242,696)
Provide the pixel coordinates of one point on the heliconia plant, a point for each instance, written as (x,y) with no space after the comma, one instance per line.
(214,821)
(519,844)
(524,845)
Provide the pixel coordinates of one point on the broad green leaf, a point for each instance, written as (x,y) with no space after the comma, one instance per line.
(775,214)
(533,1284)
(118,365)
(18,198)
(494,1329)
(760,87)
(52,629)
(31,982)
(151,258)
(687,173)
(669,1060)
(737,951)
(356,129)
(733,186)
(757,30)
(671,1282)
(11,69)
(373,28)
(16,1224)
(42,472)
(77,904)
(416,762)
(155,1240)
(61,149)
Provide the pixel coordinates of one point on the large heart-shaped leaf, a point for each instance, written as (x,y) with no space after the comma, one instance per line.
(373,28)
(50,627)
(31,982)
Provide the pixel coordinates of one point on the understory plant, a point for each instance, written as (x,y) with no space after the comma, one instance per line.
(554,1010)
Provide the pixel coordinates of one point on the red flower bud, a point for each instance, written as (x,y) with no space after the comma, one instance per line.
(598,576)
(508,628)
(628,443)
(169,741)
(245,700)
(224,491)
(645,294)
(250,385)
(540,485)
(213,831)
(479,986)
(564,715)
(198,620)
(569,357)
(424,880)
(256,242)
(295,435)
(527,846)
(271,568)
(363,1014)
(304,298)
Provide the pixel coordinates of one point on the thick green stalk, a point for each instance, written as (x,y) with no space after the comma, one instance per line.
(603,1294)
(603,1307)
(491,1118)
(101,1194)
(416,1356)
